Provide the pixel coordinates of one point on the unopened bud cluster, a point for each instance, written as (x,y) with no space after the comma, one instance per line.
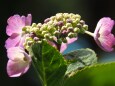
(56,28)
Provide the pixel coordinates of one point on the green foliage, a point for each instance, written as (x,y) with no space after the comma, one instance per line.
(49,64)
(96,75)
(79,59)
(79,68)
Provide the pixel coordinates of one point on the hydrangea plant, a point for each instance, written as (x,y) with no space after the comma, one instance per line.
(42,45)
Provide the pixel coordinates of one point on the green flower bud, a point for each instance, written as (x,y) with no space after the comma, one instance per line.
(76,30)
(59,41)
(77,16)
(35,29)
(56,33)
(68,25)
(64,28)
(64,40)
(85,27)
(28,39)
(70,28)
(53,18)
(47,36)
(59,16)
(44,32)
(82,22)
(26,29)
(27,47)
(44,27)
(71,35)
(34,24)
(29,43)
(79,25)
(45,40)
(39,42)
(66,15)
(39,25)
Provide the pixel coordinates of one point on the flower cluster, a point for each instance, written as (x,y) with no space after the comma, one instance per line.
(59,31)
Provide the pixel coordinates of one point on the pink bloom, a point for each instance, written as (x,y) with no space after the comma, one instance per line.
(103,36)
(64,45)
(14,30)
(18,63)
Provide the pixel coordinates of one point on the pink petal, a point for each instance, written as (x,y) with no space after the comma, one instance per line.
(107,42)
(15,53)
(63,47)
(16,69)
(104,26)
(28,19)
(71,40)
(22,40)
(15,25)
(12,41)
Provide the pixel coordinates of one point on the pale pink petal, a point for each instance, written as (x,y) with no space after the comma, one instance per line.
(23,18)
(104,26)
(26,69)
(28,19)
(15,53)
(71,40)
(22,40)
(15,69)
(63,47)
(12,41)
(15,25)
(107,42)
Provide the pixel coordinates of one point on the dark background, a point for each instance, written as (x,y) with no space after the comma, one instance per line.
(90,10)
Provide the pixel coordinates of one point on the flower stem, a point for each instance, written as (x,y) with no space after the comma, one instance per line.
(89,33)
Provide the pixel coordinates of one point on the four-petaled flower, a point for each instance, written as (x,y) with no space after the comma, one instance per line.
(14,30)
(18,63)
(102,34)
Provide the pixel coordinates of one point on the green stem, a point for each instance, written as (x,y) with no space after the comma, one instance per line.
(89,33)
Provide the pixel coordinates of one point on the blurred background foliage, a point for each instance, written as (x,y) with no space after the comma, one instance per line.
(90,10)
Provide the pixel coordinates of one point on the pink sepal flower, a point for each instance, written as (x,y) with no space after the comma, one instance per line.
(18,63)
(102,34)
(14,30)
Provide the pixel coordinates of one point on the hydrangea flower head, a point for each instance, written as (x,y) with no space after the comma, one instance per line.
(102,34)
(18,63)
(14,30)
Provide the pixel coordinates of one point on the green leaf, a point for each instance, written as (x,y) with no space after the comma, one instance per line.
(96,75)
(79,59)
(49,64)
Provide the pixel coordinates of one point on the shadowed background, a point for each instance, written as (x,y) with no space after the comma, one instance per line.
(90,10)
